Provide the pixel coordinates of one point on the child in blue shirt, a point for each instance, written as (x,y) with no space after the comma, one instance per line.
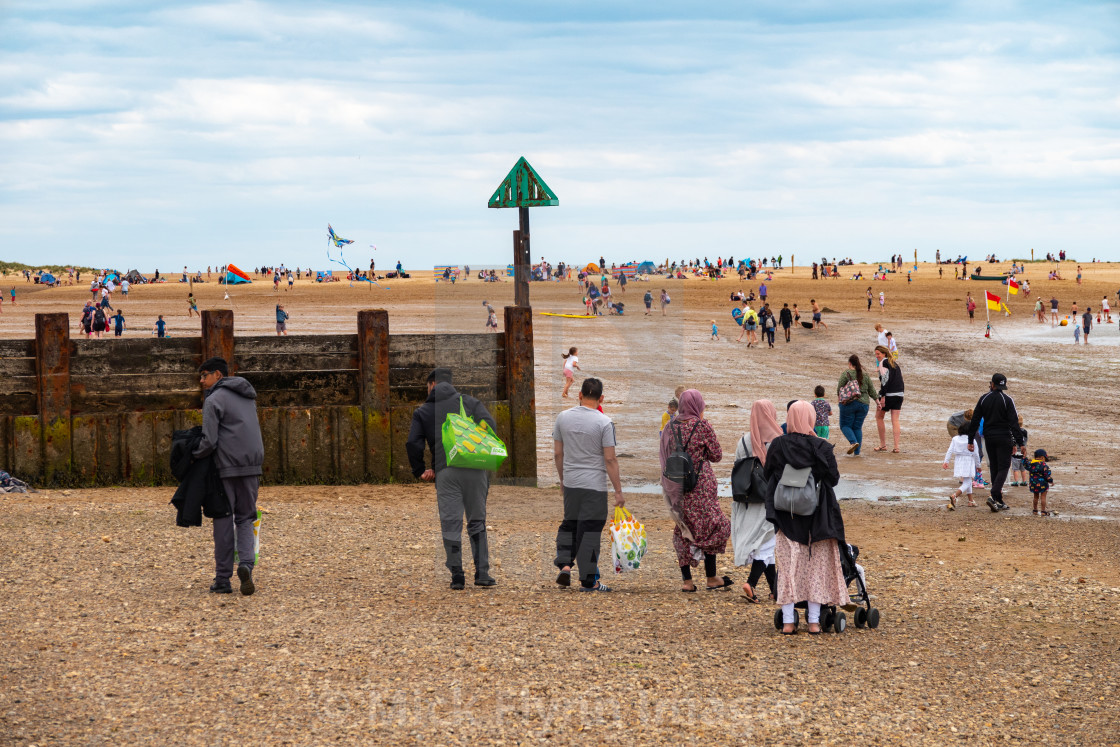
(715,330)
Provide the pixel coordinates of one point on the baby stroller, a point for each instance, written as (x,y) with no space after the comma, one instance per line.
(834,619)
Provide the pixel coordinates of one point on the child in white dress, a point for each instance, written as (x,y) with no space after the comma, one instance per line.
(965,464)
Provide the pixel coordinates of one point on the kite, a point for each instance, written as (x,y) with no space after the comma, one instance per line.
(338,240)
(339,243)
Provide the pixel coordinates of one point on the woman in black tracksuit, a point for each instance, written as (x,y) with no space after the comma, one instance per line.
(890,397)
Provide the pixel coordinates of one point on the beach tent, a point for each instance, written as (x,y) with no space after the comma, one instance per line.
(647,268)
(135,277)
(47,279)
(113,278)
(236,276)
(591,267)
(324,276)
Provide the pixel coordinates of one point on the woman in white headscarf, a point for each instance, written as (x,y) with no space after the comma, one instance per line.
(752,536)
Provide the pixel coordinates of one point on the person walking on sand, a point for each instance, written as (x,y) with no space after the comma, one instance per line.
(882,301)
(806,548)
(281,321)
(965,464)
(664,301)
(701,529)
(232,433)
(1053,311)
(1001,434)
(869,297)
(648,300)
(785,318)
(817,323)
(192,306)
(1087,322)
(571,365)
(459,490)
(890,398)
(970,307)
(854,392)
(584,452)
(752,536)
(1105,310)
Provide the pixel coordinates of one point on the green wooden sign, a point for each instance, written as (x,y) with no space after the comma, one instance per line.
(523,187)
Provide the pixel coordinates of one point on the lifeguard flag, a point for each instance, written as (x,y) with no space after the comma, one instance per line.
(993,300)
(1012,287)
(236,276)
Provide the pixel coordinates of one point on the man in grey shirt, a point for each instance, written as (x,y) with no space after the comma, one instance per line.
(583,446)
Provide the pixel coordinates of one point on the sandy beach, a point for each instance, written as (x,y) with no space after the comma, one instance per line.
(997,629)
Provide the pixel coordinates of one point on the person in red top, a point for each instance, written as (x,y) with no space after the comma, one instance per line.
(970,305)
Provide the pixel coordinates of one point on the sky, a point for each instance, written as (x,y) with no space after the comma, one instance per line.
(149,134)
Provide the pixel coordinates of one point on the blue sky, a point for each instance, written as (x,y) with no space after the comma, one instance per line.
(160,134)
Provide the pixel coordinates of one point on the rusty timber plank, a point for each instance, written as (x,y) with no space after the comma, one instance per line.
(217,336)
(373,393)
(52,366)
(522,399)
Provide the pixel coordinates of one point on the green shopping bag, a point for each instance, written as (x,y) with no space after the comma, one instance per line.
(470,444)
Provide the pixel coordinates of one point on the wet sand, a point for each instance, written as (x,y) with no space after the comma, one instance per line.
(1063,392)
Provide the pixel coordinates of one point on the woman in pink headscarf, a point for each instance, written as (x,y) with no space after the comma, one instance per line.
(752,536)
(701,528)
(806,548)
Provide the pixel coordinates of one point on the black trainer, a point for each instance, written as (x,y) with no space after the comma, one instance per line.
(993,505)
(221,587)
(458,580)
(245,576)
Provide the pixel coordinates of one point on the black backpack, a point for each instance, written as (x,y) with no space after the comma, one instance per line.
(678,465)
(748,481)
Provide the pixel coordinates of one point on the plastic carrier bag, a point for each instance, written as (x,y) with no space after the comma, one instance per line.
(628,541)
(256,541)
(469,444)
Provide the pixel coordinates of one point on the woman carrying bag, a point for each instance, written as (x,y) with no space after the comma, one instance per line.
(752,536)
(806,547)
(702,529)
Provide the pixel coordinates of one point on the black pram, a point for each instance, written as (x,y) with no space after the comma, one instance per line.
(833,618)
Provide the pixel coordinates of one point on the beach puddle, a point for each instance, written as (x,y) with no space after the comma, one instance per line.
(846,490)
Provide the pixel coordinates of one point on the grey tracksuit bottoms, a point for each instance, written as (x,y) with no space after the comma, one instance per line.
(236,532)
(460,491)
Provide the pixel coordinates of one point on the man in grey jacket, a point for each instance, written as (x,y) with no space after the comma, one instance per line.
(458,490)
(231,431)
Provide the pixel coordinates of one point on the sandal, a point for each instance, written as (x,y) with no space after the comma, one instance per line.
(1035,512)
(1046,513)
(726,582)
(971,503)
(896,451)
(693,590)
(749,595)
(792,632)
(880,448)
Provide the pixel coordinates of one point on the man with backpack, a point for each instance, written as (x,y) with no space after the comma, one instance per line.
(459,490)
(583,447)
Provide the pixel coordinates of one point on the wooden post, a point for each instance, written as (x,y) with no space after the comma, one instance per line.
(217,336)
(522,394)
(373,383)
(52,373)
(521,265)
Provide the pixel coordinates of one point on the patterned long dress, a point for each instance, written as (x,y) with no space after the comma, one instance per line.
(700,508)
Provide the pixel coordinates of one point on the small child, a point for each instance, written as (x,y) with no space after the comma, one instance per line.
(1019,461)
(1041,480)
(820,404)
(161,327)
(571,361)
(965,463)
(669,414)
(1076,330)
(715,330)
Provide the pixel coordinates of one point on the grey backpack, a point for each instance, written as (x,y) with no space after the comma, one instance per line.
(796,491)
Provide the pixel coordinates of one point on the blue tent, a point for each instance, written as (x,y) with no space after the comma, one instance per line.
(647,268)
(47,279)
(235,279)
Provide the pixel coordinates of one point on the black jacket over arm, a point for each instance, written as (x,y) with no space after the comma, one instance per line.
(1001,421)
(200,488)
(799,450)
(427,421)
